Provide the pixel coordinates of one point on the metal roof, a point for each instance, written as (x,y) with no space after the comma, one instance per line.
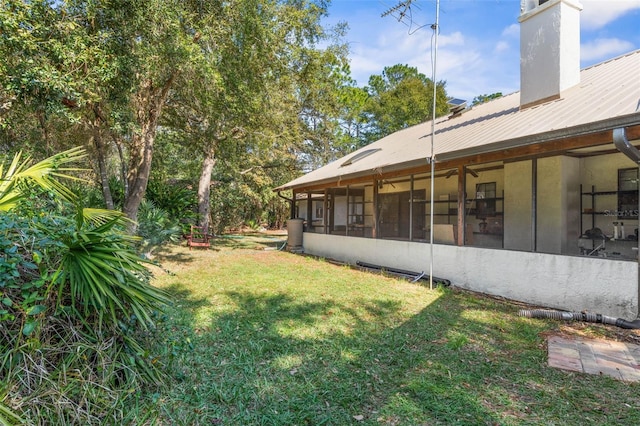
(608,96)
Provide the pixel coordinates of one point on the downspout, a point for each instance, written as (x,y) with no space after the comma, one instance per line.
(624,146)
(534,205)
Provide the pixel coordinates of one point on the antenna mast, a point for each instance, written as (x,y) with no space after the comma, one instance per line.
(406,5)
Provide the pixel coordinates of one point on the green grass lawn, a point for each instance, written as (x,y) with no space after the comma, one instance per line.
(264,337)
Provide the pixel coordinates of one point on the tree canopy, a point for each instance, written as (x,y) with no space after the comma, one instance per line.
(223,98)
(401,97)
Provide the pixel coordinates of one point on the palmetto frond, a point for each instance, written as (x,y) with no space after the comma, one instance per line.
(104,272)
(44,174)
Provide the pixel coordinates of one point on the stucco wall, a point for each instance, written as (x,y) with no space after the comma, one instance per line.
(572,283)
(517,206)
(558,205)
(549,50)
(340,211)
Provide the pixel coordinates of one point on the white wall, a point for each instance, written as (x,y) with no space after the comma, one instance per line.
(558,205)
(549,49)
(517,206)
(604,286)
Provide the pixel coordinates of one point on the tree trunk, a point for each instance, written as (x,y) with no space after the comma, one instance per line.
(204,189)
(102,169)
(42,119)
(149,101)
(123,164)
(102,164)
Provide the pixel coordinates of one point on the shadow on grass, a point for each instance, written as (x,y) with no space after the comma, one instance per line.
(167,254)
(254,241)
(274,360)
(280,359)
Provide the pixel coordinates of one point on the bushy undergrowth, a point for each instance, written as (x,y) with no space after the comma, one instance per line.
(177,201)
(77,313)
(156,227)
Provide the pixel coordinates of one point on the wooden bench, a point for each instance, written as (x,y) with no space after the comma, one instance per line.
(198,237)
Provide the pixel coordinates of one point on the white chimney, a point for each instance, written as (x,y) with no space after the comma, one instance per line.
(549,49)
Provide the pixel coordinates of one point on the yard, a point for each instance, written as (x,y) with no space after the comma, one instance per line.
(259,336)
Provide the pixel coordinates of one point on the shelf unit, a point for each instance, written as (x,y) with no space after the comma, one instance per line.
(616,204)
(612,204)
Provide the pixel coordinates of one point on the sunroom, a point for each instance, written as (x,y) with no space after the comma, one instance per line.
(533,202)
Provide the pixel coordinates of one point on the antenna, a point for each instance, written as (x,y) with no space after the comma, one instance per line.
(406,6)
(403,4)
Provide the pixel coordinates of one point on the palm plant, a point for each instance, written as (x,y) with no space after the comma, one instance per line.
(104,273)
(71,277)
(44,174)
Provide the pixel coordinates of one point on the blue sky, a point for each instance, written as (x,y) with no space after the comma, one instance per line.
(478,43)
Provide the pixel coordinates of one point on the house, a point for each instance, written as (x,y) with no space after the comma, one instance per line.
(535,194)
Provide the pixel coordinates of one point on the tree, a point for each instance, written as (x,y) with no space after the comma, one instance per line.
(480,99)
(243,81)
(241,103)
(353,118)
(401,97)
(70,281)
(325,81)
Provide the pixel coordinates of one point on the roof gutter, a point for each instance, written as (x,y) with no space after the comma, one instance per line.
(624,146)
(582,130)
(292,204)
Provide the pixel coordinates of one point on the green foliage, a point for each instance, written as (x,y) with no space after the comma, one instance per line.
(156,227)
(42,174)
(104,274)
(176,199)
(401,97)
(75,297)
(480,99)
(8,417)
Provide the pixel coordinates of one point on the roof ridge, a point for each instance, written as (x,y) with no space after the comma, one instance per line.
(616,58)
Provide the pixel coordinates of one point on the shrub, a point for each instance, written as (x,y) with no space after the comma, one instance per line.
(155,227)
(77,308)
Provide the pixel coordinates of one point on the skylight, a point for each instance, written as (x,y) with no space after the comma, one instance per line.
(359,156)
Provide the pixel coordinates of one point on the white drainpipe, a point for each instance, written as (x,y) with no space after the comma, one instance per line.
(624,146)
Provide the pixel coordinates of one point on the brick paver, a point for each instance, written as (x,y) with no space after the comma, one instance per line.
(616,359)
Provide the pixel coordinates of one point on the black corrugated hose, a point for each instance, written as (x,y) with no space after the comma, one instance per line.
(580,316)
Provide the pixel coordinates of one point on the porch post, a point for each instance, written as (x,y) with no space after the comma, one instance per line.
(374,231)
(411,210)
(462,184)
(309,212)
(294,206)
(346,229)
(325,210)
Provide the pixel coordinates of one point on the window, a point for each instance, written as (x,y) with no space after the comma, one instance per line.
(485,200)
(628,193)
